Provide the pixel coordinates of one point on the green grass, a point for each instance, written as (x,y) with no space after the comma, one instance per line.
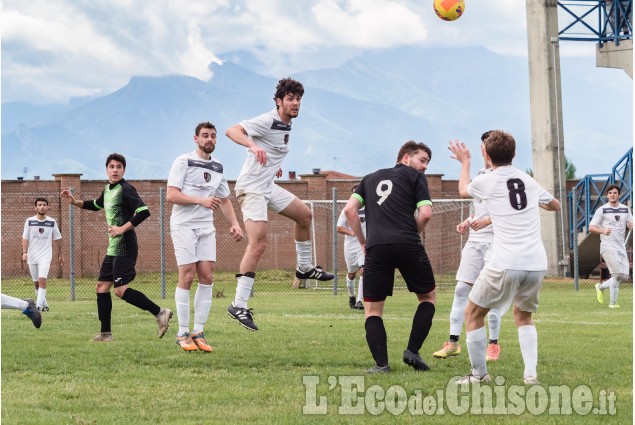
(56,375)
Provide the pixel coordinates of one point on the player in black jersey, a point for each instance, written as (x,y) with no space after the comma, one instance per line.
(124,210)
(392,196)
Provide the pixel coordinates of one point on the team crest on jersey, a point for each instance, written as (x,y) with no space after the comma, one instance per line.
(617,218)
(40,230)
(207,176)
(286,139)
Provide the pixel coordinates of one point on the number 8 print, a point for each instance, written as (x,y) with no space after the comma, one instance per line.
(517,195)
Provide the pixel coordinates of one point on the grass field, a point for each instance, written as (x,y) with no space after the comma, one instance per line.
(56,375)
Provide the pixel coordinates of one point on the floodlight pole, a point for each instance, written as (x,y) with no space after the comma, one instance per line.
(547,138)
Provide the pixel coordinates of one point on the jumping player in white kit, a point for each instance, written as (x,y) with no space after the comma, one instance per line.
(518,263)
(267,139)
(474,255)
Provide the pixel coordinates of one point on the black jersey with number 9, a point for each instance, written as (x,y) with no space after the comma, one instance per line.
(391,197)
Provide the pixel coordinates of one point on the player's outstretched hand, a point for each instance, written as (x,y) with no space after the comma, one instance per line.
(460,152)
(66,194)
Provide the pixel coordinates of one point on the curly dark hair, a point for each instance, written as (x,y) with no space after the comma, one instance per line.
(286,86)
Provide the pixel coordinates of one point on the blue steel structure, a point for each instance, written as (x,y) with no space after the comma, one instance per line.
(588,194)
(600,21)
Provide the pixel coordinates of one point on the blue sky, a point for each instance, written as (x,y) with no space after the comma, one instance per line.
(55,50)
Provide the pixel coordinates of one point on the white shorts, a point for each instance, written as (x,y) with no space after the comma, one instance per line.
(473,259)
(40,270)
(616,261)
(254,206)
(354,257)
(194,245)
(498,288)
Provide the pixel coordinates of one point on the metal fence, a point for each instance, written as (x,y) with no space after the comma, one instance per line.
(84,245)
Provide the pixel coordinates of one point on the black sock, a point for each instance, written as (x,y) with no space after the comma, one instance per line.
(421,323)
(377,340)
(139,300)
(454,338)
(493,341)
(104,310)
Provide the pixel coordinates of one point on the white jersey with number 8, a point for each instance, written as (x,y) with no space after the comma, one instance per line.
(512,199)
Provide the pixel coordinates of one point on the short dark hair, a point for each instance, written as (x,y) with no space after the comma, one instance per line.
(286,86)
(40,199)
(203,125)
(500,147)
(116,157)
(485,135)
(411,147)
(613,186)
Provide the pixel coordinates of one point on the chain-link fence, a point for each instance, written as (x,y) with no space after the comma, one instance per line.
(85,241)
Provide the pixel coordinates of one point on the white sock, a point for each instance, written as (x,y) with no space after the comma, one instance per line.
(360,289)
(350,285)
(243,291)
(606,284)
(12,302)
(41,297)
(614,289)
(477,349)
(304,252)
(457,314)
(528,339)
(182,300)
(202,306)
(494,323)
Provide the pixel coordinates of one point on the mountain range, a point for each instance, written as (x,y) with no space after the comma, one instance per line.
(353,118)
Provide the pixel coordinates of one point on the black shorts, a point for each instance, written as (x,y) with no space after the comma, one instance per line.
(379,270)
(119,270)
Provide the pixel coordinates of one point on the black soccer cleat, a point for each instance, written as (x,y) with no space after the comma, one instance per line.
(33,313)
(351,302)
(243,315)
(414,361)
(378,369)
(315,273)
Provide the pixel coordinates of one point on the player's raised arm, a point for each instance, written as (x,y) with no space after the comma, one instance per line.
(462,154)
(238,134)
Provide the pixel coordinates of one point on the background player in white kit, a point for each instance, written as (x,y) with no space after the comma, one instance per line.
(37,248)
(610,222)
(267,139)
(354,258)
(474,255)
(197,187)
(518,263)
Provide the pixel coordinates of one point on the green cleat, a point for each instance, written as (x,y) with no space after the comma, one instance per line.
(599,295)
(614,306)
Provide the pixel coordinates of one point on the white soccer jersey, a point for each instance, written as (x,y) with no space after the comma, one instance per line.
(616,218)
(348,239)
(40,234)
(486,234)
(512,199)
(196,177)
(269,133)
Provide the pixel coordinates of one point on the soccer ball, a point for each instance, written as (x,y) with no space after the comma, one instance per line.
(449,10)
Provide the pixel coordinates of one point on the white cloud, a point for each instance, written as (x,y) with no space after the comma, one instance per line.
(369,23)
(55,50)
